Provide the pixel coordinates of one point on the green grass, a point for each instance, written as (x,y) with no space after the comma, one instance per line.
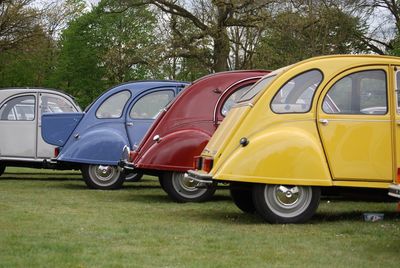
(50,219)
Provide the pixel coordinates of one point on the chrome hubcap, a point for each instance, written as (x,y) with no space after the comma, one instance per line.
(188,184)
(186,187)
(287,196)
(287,201)
(104,175)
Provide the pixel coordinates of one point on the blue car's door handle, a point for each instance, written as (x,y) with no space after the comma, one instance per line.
(129,124)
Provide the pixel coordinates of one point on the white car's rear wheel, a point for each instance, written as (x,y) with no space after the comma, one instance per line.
(2,168)
(103,177)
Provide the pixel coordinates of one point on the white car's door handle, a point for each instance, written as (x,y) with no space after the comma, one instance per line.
(323,121)
(129,124)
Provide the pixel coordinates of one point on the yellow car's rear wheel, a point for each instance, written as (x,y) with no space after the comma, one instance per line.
(241,194)
(286,203)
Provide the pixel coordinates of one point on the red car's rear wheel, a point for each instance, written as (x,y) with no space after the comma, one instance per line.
(182,189)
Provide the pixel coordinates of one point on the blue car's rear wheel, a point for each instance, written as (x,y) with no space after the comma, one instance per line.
(103,177)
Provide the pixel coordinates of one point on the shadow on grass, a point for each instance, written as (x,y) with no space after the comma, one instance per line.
(60,178)
(320,218)
(163,197)
(42,173)
(349,216)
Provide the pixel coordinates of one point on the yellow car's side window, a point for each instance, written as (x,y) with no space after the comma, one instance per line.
(362,92)
(296,95)
(398,91)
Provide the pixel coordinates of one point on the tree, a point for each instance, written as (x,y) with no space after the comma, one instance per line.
(210,22)
(101,49)
(308,28)
(19,23)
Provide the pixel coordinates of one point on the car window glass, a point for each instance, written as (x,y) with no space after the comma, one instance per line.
(150,105)
(50,103)
(297,94)
(233,98)
(18,109)
(398,90)
(358,93)
(114,105)
(253,91)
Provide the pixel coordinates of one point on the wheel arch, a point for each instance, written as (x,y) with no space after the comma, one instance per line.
(174,151)
(279,154)
(97,146)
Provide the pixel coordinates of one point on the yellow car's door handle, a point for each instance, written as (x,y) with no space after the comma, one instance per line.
(323,121)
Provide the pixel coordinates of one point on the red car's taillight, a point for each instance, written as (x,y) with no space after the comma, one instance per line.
(132,155)
(197,162)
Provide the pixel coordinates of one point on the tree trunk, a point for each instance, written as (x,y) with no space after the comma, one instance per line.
(221,41)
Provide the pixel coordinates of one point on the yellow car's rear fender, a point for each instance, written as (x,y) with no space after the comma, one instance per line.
(282,153)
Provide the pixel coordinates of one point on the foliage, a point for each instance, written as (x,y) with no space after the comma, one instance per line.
(101,49)
(63,44)
(307,32)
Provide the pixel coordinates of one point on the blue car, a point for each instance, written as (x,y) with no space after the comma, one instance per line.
(93,140)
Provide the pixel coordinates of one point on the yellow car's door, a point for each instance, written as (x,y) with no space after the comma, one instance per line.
(355,125)
(397,121)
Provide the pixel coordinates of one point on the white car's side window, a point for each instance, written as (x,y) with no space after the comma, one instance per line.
(50,103)
(18,109)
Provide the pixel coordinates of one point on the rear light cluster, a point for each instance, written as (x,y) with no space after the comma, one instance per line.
(132,155)
(398,176)
(56,152)
(203,163)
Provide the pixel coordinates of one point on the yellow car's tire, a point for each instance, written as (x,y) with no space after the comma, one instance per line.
(241,194)
(284,203)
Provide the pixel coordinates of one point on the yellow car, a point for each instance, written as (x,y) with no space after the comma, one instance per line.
(323,122)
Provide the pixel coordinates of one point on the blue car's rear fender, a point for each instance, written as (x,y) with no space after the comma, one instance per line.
(100,145)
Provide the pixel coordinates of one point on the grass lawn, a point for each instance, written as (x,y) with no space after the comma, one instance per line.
(50,219)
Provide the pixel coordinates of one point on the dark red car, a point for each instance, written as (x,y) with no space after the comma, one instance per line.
(184,128)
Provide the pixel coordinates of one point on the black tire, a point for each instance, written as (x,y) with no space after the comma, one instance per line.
(181,189)
(2,169)
(103,177)
(161,181)
(285,204)
(242,195)
(133,177)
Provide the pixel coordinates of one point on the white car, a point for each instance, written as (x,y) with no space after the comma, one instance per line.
(21,109)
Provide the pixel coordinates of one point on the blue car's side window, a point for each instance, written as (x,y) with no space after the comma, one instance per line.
(113,106)
(150,105)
